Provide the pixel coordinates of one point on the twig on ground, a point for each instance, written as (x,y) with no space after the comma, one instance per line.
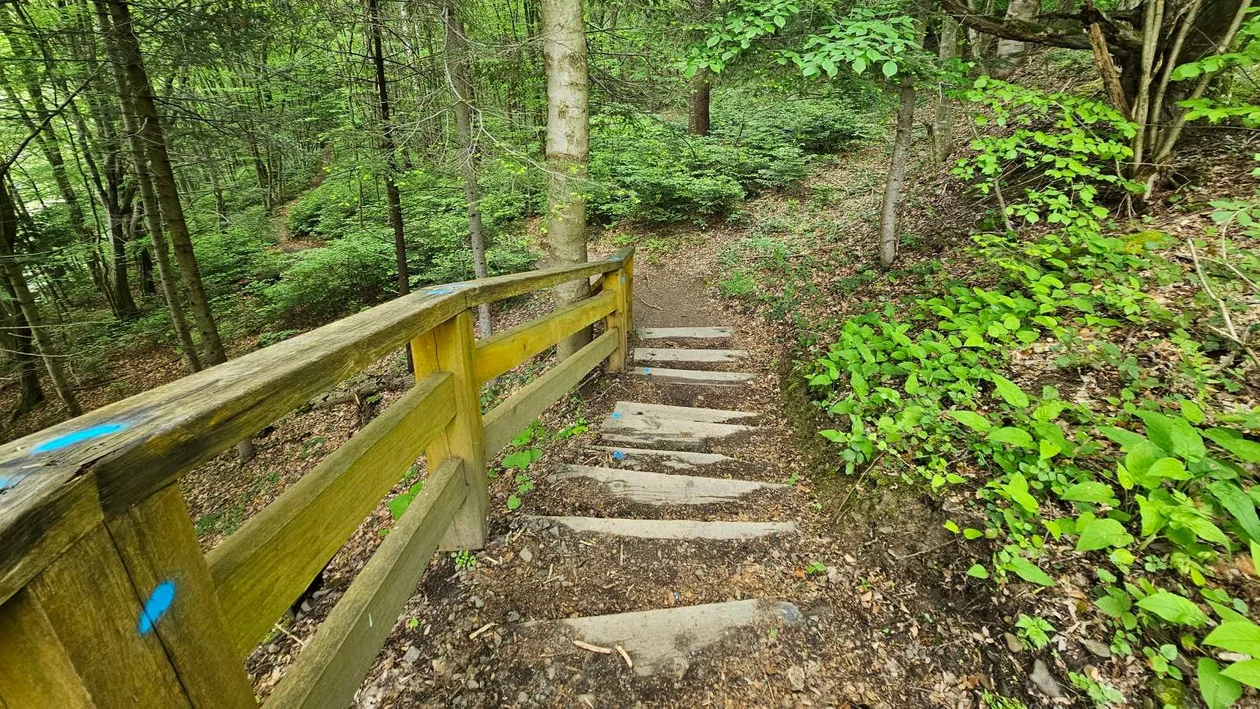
(593,648)
(1230,332)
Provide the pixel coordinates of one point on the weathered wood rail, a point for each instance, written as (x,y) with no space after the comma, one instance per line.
(105,597)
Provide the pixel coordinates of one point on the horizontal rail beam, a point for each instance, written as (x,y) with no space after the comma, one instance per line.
(508,418)
(331,667)
(509,348)
(265,565)
(130,449)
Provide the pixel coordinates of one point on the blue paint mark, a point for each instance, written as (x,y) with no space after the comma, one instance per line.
(5,484)
(647,370)
(618,455)
(159,602)
(78,436)
(616,414)
(440,291)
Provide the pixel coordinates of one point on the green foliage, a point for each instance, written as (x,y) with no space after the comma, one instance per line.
(1034,631)
(399,503)
(350,273)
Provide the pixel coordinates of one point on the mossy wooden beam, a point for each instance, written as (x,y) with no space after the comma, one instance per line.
(510,348)
(331,667)
(261,569)
(508,418)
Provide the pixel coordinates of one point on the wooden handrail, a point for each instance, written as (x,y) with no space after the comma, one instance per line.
(55,482)
(101,575)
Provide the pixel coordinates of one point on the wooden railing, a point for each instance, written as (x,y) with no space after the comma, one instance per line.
(105,596)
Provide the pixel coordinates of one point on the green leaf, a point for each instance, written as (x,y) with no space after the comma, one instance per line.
(1236,636)
(1089,492)
(1168,469)
(513,502)
(1012,436)
(1009,391)
(1115,604)
(971,419)
(859,385)
(972,533)
(1124,438)
(1049,449)
(1246,450)
(1239,505)
(952,526)
(1174,434)
(1191,412)
(1029,571)
(1247,672)
(977,571)
(890,69)
(1218,691)
(1103,533)
(1174,609)
(1017,489)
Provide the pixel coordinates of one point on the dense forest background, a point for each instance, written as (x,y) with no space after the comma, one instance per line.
(1015,242)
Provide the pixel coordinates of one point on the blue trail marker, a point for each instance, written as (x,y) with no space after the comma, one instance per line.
(86,434)
(159,602)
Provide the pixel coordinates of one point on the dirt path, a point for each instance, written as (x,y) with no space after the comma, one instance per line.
(850,613)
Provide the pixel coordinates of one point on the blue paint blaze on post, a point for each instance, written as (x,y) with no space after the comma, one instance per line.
(440,291)
(616,414)
(79,436)
(159,602)
(618,455)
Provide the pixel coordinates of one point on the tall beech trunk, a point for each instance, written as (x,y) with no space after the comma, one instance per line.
(701,86)
(139,99)
(388,150)
(568,126)
(894,189)
(26,301)
(943,113)
(1010,52)
(461,84)
(18,340)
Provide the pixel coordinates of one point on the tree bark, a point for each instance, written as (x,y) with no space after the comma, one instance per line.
(564,51)
(894,188)
(698,103)
(26,301)
(140,99)
(460,78)
(388,150)
(18,341)
(943,119)
(1010,52)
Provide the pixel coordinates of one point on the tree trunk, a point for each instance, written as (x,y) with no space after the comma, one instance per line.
(698,103)
(943,120)
(461,84)
(388,150)
(145,266)
(18,341)
(140,99)
(26,301)
(894,189)
(1010,52)
(564,50)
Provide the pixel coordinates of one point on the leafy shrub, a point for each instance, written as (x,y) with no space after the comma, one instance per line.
(326,211)
(238,253)
(354,271)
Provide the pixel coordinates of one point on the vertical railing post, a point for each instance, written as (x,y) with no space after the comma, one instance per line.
(619,283)
(449,348)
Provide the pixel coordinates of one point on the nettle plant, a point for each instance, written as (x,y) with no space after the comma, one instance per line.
(1153,495)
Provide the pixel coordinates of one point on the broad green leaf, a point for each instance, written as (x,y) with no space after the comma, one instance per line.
(1153,518)
(977,571)
(1236,636)
(1174,434)
(1091,491)
(1217,690)
(972,533)
(1115,604)
(1017,489)
(971,419)
(1247,672)
(1246,450)
(1124,438)
(1174,609)
(1012,436)
(1049,449)
(890,69)
(1009,391)
(1239,505)
(952,526)
(1103,533)
(1168,469)
(1029,571)
(1191,412)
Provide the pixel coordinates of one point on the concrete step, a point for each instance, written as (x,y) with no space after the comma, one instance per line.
(664,489)
(669,528)
(681,413)
(694,376)
(661,640)
(661,433)
(684,333)
(653,354)
(678,460)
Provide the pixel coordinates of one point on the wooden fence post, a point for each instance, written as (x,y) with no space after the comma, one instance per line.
(616,282)
(449,348)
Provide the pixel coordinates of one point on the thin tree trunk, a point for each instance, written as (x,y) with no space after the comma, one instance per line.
(388,150)
(1010,52)
(141,101)
(1153,21)
(564,49)
(18,339)
(26,301)
(943,120)
(1107,69)
(894,189)
(461,84)
(698,103)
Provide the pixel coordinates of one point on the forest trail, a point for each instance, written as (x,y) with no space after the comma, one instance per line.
(674,554)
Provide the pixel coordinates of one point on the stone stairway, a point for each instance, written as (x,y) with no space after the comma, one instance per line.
(651,458)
